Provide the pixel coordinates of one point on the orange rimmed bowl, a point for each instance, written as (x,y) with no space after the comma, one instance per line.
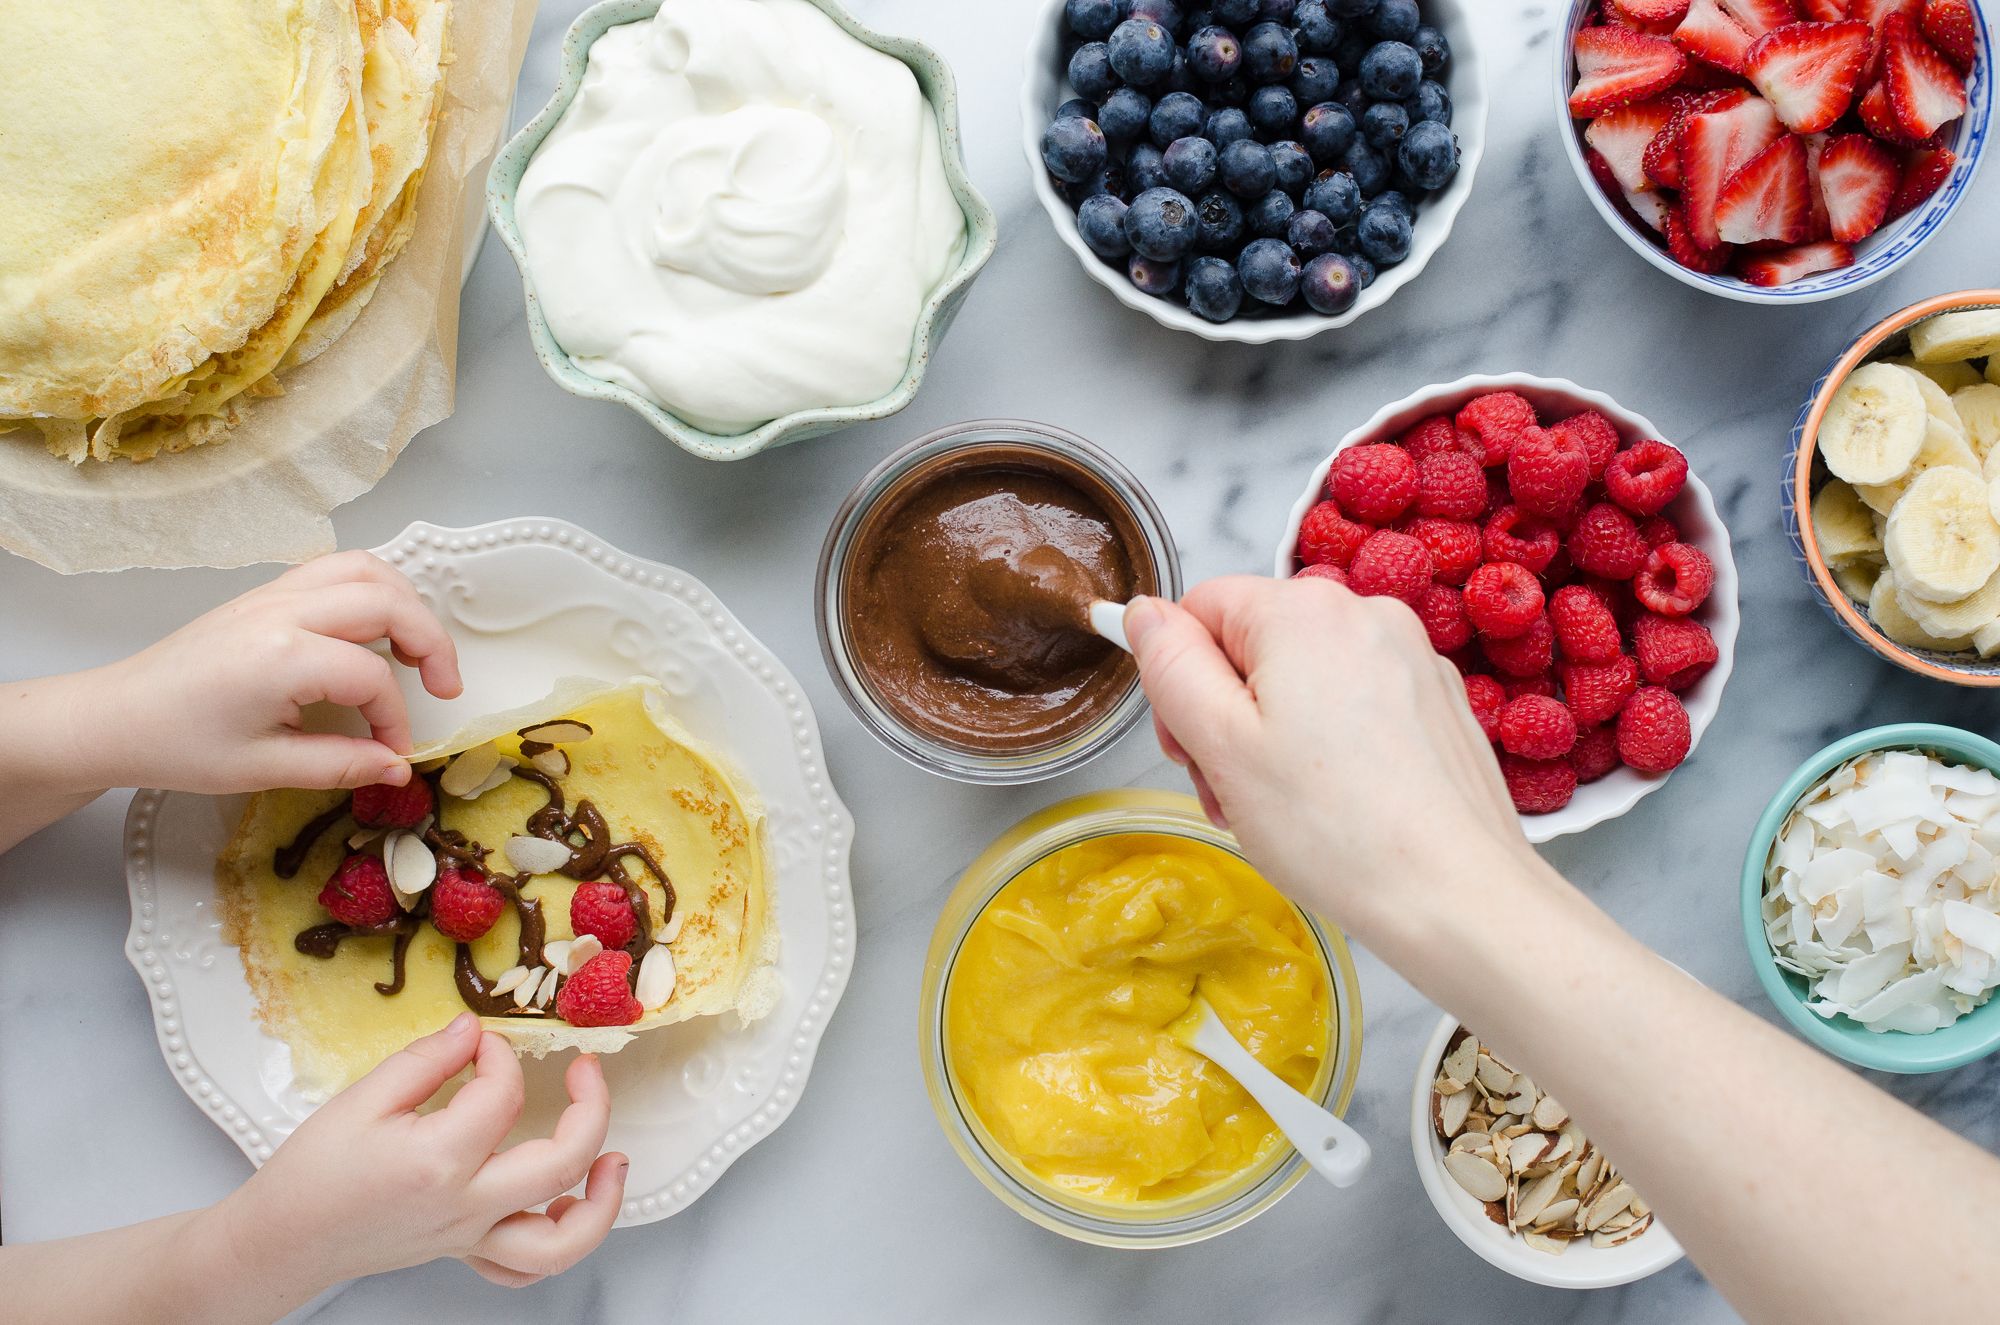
(1804,473)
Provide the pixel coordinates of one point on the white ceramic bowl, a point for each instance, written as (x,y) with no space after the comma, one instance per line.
(1694,511)
(1875,257)
(1582,1266)
(1046,87)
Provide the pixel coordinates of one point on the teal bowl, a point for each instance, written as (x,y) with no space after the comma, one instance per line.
(1972,1036)
(982,236)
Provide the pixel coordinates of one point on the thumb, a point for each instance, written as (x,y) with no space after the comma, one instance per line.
(322,760)
(1197,695)
(410,1076)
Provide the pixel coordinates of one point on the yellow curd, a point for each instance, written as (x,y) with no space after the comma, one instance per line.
(1060,1007)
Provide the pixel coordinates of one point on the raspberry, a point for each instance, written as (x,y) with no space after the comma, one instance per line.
(1585,628)
(1547,473)
(1673,651)
(1616,595)
(1653,734)
(1644,478)
(1326,537)
(1514,535)
(603,909)
(1596,691)
(1497,420)
(1658,531)
(463,904)
(384,806)
(358,893)
(1543,685)
(1596,754)
(1455,547)
(1605,542)
(1324,570)
(1443,613)
(1537,727)
(1438,435)
(1391,565)
(1503,600)
(1486,697)
(1375,483)
(1676,580)
(1592,432)
(1538,786)
(597,994)
(1530,654)
(1496,489)
(1451,486)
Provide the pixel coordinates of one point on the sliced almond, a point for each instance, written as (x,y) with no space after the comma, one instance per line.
(560,731)
(501,774)
(547,993)
(1496,1077)
(581,949)
(409,861)
(1527,1150)
(552,762)
(1536,1196)
(672,929)
(1542,1242)
(1479,1140)
(1605,1207)
(1548,1114)
(1471,1172)
(1460,1062)
(1448,1086)
(469,769)
(524,993)
(1453,1111)
(537,855)
(364,838)
(655,985)
(1558,1212)
(510,980)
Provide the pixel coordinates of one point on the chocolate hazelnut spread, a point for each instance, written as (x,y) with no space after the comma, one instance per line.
(967,595)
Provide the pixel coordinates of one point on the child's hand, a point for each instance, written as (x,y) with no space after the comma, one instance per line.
(367,1184)
(215,706)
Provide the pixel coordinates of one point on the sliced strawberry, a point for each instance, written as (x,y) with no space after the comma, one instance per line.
(1702,76)
(1716,144)
(1662,161)
(1809,71)
(1954,29)
(1758,17)
(1622,136)
(1823,11)
(1924,90)
(1785,265)
(1682,248)
(1768,201)
(1650,208)
(1711,35)
(1858,179)
(1815,151)
(1615,66)
(1647,15)
(1924,173)
(1876,14)
(1878,117)
(1600,170)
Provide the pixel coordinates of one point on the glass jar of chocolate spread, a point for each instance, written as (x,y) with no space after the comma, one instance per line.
(953,596)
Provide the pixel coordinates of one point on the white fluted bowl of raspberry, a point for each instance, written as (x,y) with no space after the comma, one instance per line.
(1563,555)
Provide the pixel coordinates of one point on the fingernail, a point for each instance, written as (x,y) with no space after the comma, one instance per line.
(1142,617)
(462,1022)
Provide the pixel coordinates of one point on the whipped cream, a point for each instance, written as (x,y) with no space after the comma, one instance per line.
(741,213)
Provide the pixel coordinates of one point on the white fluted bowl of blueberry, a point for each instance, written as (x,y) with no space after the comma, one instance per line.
(1254,170)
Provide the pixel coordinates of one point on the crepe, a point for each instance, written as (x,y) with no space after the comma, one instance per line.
(654,786)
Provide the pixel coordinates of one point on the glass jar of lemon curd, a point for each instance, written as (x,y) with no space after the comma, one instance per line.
(1024,968)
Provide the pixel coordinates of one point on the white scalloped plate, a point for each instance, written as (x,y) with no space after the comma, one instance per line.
(528,601)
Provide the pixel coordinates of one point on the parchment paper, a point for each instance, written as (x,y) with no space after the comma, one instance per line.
(265,492)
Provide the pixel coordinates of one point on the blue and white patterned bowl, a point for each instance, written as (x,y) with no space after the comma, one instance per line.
(982,236)
(1875,256)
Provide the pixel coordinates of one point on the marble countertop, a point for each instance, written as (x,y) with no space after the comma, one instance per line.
(857,1209)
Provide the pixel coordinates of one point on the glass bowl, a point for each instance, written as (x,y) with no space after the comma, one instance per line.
(1166,1224)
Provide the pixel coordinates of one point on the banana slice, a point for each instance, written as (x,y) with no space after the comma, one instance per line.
(1842,526)
(1942,537)
(1874,425)
(1857,578)
(1937,400)
(1993,369)
(1978,409)
(1952,377)
(1953,620)
(1986,639)
(1890,618)
(1971,333)
(1944,447)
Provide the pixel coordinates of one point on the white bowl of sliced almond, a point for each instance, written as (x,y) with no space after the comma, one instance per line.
(1517,1180)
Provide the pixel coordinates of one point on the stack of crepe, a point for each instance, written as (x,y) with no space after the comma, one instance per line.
(199,196)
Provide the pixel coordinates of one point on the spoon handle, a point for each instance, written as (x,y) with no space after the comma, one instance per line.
(1108,620)
(1336,1151)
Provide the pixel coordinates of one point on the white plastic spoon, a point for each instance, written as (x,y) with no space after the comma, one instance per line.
(1108,620)
(1336,1151)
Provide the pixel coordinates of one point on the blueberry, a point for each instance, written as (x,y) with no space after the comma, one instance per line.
(1237,12)
(1269,271)
(1397,200)
(1176,115)
(1383,234)
(1363,268)
(1383,125)
(1166,13)
(1161,224)
(1272,110)
(1336,196)
(1213,290)
(1247,169)
(1270,214)
(1269,53)
(1351,8)
(1354,44)
(1093,20)
(1182,78)
(1310,233)
(1389,72)
(1317,79)
(1078,108)
(1294,166)
(1432,49)
(1101,222)
(1319,31)
(1214,54)
(1141,53)
(1429,154)
(1232,92)
(1277,11)
(1090,71)
(1330,284)
(1227,125)
(1433,103)
(1154,277)
(1124,114)
(1199,19)
(1189,165)
(1368,166)
(1327,130)
(1395,20)
(1352,98)
(1218,223)
(1144,169)
(1110,180)
(1073,149)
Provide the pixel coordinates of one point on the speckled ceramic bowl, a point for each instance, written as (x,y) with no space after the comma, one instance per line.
(1804,474)
(982,233)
